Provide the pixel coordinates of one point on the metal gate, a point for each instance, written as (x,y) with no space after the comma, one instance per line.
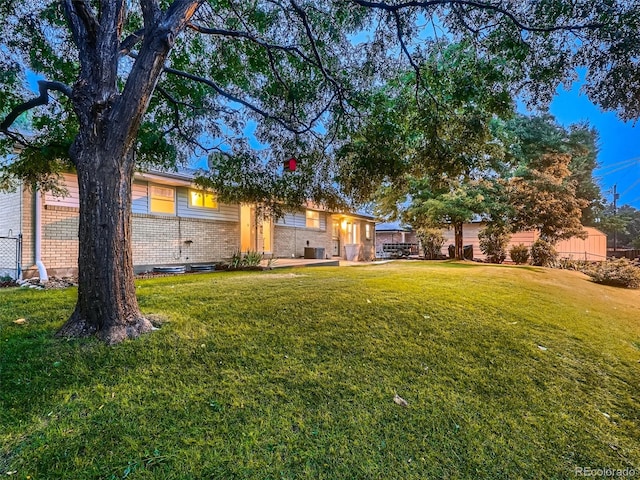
(10,254)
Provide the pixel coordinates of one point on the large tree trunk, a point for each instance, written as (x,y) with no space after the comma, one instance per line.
(107,305)
(109,120)
(457,228)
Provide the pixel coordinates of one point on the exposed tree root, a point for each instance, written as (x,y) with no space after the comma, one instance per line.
(77,327)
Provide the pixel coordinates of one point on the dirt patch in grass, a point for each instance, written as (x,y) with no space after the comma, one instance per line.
(275,276)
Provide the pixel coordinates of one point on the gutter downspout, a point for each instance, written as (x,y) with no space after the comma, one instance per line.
(42,270)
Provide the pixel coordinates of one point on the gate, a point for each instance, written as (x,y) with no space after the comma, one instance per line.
(10,253)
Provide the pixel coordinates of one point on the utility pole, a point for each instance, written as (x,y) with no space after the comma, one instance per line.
(616,196)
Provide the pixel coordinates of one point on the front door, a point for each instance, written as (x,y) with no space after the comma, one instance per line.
(247,228)
(266,237)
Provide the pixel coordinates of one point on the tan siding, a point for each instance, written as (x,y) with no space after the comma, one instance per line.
(469,237)
(71,199)
(594,247)
(140,197)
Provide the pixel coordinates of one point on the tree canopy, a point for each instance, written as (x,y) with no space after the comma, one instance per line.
(442,130)
(288,66)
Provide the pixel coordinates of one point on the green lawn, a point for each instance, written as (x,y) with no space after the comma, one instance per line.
(509,372)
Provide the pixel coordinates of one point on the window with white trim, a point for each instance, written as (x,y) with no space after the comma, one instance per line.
(202,199)
(367,231)
(313,219)
(162,199)
(354,233)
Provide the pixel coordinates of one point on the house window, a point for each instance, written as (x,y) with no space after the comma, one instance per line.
(367,231)
(202,199)
(313,219)
(162,199)
(354,236)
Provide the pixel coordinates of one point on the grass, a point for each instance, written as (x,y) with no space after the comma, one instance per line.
(509,372)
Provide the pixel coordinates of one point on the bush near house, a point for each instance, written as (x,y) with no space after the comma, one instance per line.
(519,254)
(432,240)
(543,253)
(493,243)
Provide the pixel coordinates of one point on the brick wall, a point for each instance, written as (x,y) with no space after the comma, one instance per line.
(175,240)
(60,239)
(10,213)
(291,241)
(157,240)
(368,246)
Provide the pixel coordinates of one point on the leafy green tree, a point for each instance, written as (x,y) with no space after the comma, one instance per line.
(448,207)
(494,240)
(150,82)
(441,128)
(543,198)
(429,146)
(533,136)
(622,227)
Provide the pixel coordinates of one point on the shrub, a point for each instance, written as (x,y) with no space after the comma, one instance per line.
(249,259)
(493,243)
(519,254)
(543,253)
(571,264)
(236,260)
(618,273)
(432,240)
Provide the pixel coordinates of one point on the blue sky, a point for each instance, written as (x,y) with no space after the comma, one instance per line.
(619,156)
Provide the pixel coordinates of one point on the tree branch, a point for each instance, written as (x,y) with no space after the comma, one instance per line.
(151,13)
(252,38)
(131,41)
(87,29)
(43,99)
(175,103)
(229,96)
(131,105)
(305,22)
(478,5)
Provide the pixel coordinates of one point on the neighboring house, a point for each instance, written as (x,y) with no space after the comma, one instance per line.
(390,234)
(593,248)
(174,222)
